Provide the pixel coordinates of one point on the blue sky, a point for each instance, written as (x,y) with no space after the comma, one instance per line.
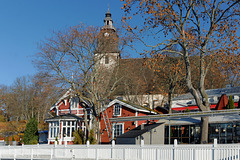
(24,23)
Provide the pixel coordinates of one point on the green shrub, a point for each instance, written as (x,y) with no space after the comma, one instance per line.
(33,141)
(31,132)
(91,137)
(7,140)
(78,137)
(230,104)
(56,139)
(13,139)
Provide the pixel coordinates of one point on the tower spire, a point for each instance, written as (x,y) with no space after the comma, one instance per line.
(108,22)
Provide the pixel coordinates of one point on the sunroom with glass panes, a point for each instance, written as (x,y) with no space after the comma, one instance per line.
(61,128)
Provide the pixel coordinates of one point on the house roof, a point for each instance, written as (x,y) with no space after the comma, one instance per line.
(134,77)
(222,103)
(138,131)
(197,120)
(64,117)
(68,94)
(213,92)
(130,105)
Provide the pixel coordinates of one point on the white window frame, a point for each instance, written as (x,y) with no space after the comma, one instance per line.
(115,131)
(54,129)
(68,127)
(74,103)
(119,108)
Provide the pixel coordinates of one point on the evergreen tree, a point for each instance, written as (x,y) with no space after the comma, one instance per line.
(91,138)
(31,132)
(78,137)
(230,104)
(7,140)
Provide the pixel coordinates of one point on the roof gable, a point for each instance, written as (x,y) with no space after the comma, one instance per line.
(66,95)
(132,106)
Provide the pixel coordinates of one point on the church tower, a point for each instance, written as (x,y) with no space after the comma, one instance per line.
(107,53)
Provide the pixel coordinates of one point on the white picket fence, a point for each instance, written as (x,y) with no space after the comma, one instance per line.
(124,152)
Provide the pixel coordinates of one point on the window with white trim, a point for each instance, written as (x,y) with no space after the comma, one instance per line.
(68,128)
(117,109)
(74,102)
(118,130)
(54,129)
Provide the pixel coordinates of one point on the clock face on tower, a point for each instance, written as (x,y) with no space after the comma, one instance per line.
(106,34)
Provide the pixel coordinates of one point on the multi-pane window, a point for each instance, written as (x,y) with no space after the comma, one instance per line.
(54,129)
(74,102)
(69,128)
(117,109)
(118,130)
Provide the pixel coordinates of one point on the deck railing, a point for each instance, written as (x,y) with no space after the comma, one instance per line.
(124,152)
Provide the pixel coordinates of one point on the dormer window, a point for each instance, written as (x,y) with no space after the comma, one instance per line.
(117,109)
(74,102)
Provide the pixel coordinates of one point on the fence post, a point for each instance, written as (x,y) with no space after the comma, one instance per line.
(174,149)
(113,144)
(214,149)
(142,142)
(51,153)
(96,153)
(157,154)
(14,157)
(73,155)
(87,143)
(32,154)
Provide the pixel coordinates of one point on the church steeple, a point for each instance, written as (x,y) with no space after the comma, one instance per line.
(108,22)
(107,52)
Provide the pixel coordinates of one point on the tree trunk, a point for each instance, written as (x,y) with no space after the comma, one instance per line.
(204,130)
(86,120)
(170,103)
(195,94)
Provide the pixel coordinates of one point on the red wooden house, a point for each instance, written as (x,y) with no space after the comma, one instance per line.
(69,116)
(120,108)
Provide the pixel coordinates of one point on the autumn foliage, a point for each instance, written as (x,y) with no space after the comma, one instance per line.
(205,29)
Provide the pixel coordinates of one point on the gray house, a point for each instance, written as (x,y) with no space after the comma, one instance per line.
(151,133)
